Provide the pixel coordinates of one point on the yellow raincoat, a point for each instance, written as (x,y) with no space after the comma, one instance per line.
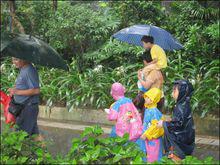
(153,132)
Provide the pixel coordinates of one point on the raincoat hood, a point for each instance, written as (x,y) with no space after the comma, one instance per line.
(117,91)
(185,90)
(154,94)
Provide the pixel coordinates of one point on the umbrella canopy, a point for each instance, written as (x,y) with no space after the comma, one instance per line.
(31,49)
(133,35)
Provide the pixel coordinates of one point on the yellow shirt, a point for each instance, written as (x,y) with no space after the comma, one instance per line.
(158,53)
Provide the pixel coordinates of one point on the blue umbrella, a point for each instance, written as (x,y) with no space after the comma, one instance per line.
(133,35)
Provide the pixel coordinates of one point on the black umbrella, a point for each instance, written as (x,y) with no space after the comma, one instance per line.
(31,49)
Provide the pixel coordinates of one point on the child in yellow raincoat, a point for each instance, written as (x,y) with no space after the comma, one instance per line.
(151,134)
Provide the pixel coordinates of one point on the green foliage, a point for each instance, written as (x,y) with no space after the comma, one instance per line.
(90,89)
(8,74)
(81,32)
(192,31)
(33,20)
(113,54)
(199,61)
(205,80)
(212,30)
(139,12)
(194,160)
(189,160)
(4,17)
(91,148)
(82,29)
(18,148)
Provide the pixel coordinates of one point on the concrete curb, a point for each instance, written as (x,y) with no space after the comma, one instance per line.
(82,115)
(107,129)
(203,127)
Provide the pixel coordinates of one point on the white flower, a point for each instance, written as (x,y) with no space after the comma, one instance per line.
(3,68)
(98,68)
(120,70)
(107,110)
(193,81)
(132,120)
(118,73)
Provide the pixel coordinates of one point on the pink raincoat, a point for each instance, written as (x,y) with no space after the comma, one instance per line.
(125,114)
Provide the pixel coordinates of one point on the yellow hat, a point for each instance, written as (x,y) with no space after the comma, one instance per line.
(154,94)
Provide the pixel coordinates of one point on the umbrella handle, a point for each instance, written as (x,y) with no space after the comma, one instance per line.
(32,28)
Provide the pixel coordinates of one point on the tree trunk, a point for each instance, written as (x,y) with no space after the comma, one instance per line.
(55,5)
(1,15)
(15,21)
(167,6)
(12,12)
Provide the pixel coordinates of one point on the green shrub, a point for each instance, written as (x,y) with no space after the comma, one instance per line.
(80,32)
(8,74)
(91,89)
(205,79)
(91,148)
(82,27)
(18,148)
(189,160)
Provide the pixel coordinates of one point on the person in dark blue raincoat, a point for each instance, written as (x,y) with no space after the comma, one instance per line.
(179,138)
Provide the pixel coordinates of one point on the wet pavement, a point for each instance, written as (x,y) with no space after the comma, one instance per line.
(60,142)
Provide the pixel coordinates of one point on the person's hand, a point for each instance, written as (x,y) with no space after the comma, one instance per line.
(160,124)
(168,119)
(11,91)
(143,137)
(132,120)
(107,110)
(139,74)
(148,63)
(139,77)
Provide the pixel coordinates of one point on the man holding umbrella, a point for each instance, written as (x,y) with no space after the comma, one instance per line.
(26,92)
(25,50)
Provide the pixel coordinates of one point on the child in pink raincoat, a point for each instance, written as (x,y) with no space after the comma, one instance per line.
(124,113)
